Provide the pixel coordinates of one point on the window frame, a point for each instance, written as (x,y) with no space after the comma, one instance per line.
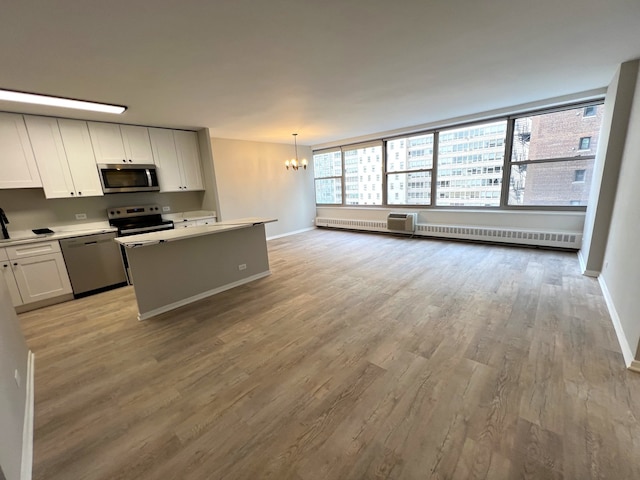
(341,176)
(432,170)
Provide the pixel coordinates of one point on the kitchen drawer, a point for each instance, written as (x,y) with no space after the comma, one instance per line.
(206,221)
(32,249)
(184,224)
(3,254)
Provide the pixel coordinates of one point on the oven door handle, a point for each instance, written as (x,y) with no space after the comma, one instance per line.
(144,229)
(148,172)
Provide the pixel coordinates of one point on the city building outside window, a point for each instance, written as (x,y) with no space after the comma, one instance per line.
(547,161)
(547,151)
(477,151)
(353,159)
(327,170)
(409,171)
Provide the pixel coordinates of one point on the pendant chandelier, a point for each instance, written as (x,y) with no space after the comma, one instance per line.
(294,163)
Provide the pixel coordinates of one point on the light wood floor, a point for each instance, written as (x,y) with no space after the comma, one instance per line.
(362,357)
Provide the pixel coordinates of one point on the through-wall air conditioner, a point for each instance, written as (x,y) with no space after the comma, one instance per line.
(402,222)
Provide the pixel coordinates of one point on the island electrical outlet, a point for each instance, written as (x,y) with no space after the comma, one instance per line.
(242,266)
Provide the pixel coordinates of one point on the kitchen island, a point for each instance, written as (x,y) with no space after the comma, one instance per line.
(172,268)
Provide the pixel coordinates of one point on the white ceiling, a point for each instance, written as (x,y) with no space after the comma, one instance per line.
(328,70)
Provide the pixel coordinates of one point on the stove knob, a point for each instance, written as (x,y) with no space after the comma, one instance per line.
(118,212)
(111,212)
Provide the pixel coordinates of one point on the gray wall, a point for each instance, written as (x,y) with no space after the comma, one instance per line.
(253,182)
(13,356)
(615,123)
(621,272)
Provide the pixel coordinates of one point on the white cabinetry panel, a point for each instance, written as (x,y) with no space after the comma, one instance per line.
(107,142)
(178,159)
(17,163)
(189,157)
(80,157)
(166,159)
(9,278)
(136,144)
(41,277)
(51,158)
(64,156)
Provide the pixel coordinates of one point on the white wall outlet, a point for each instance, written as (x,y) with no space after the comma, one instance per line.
(242,266)
(166,209)
(16,375)
(81,216)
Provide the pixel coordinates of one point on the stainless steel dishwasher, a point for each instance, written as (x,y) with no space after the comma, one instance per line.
(94,263)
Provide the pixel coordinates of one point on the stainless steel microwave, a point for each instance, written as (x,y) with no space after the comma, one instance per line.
(117,178)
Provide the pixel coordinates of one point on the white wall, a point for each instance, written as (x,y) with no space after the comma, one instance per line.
(615,123)
(621,272)
(28,208)
(13,356)
(252,181)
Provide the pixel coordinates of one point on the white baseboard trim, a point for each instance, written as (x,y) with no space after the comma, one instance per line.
(200,296)
(583,267)
(27,429)
(627,353)
(290,233)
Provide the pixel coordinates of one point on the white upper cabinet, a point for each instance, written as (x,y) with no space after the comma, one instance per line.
(17,163)
(137,146)
(189,157)
(82,162)
(113,143)
(166,159)
(63,152)
(177,156)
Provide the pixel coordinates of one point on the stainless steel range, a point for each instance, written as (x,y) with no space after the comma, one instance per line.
(135,220)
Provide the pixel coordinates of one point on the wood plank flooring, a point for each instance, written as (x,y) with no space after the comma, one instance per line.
(361,357)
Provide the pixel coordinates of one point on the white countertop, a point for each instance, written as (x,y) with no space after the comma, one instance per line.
(27,236)
(153,238)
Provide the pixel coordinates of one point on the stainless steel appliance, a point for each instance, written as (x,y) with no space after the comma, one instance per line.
(136,220)
(94,263)
(116,178)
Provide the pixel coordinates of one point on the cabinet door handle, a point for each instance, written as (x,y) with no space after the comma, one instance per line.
(79,193)
(124,160)
(71,193)
(130,160)
(15,264)
(5,265)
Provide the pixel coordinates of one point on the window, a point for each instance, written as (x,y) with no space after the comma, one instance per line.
(409,170)
(479,151)
(356,186)
(584,143)
(327,168)
(545,161)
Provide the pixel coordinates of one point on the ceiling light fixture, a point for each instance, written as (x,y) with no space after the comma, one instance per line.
(22,97)
(294,163)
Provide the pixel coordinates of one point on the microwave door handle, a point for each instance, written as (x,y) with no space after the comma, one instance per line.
(148,172)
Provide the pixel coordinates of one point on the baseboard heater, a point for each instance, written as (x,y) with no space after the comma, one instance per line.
(556,239)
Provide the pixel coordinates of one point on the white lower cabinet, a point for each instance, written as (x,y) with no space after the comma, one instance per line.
(9,278)
(35,272)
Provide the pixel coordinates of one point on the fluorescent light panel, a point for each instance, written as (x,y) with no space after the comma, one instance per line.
(21,97)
